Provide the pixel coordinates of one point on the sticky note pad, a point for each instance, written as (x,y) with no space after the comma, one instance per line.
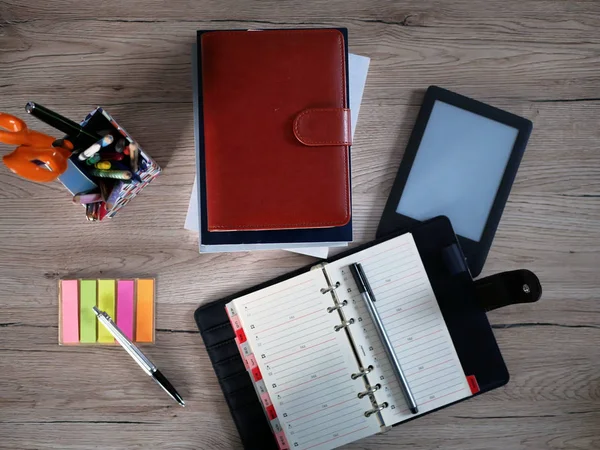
(144,331)
(106,303)
(69,298)
(87,318)
(128,302)
(125,307)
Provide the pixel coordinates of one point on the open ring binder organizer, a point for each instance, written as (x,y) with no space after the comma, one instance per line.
(363,371)
(302,368)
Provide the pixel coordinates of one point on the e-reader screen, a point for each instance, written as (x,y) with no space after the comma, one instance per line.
(457,169)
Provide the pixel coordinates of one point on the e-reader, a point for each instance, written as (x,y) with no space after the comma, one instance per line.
(461,160)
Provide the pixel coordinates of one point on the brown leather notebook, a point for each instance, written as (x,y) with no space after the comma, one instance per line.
(276,129)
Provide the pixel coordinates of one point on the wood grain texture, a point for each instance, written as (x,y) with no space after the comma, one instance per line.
(537,58)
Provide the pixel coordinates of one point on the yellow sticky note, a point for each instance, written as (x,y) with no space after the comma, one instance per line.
(106,303)
(144,323)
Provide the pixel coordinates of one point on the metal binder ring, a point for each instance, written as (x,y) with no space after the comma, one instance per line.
(330,288)
(375,410)
(337,306)
(362,372)
(344,324)
(370,390)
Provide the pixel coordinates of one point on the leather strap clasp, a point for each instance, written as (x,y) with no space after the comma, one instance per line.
(318,127)
(508,288)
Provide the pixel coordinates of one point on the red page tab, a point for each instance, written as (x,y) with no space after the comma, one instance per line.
(256,374)
(239,333)
(473,384)
(271,412)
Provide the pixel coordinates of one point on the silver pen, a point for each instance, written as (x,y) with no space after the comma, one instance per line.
(367,294)
(138,356)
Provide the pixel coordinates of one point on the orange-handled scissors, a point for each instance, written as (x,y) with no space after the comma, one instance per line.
(33,147)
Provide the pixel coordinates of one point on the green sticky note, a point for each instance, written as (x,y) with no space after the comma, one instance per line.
(106,303)
(87,318)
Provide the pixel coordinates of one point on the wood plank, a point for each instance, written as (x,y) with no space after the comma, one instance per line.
(536,58)
(542,394)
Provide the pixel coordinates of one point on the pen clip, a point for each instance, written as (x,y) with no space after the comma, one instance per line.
(361,280)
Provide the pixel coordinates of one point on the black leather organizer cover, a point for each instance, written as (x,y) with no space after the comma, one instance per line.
(462,301)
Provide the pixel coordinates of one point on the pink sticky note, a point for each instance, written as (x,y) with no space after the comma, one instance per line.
(125,307)
(69,291)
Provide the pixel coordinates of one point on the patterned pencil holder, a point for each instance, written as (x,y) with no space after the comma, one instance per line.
(105,192)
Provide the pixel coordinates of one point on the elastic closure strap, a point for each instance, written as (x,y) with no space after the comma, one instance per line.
(320,127)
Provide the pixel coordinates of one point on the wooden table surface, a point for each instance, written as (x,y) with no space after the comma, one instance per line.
(537,58)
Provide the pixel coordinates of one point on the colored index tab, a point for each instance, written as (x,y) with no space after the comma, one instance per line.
(271,414)
(266,400)
(125,307)
(276,424)
(144,330)
(106,303)
(69,292)
(87,318)
(254,368)
(242,353)
(241,335)
(230,311)
(282,441)
(473,385)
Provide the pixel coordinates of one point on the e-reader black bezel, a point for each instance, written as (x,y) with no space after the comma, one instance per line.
(475,252)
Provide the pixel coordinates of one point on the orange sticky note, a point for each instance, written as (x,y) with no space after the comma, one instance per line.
(144,323)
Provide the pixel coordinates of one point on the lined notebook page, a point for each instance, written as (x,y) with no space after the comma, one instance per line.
(305,364)
(413,320)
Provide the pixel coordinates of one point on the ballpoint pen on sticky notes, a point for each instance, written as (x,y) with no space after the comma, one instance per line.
(121,337)
(96,156)
(129,301)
